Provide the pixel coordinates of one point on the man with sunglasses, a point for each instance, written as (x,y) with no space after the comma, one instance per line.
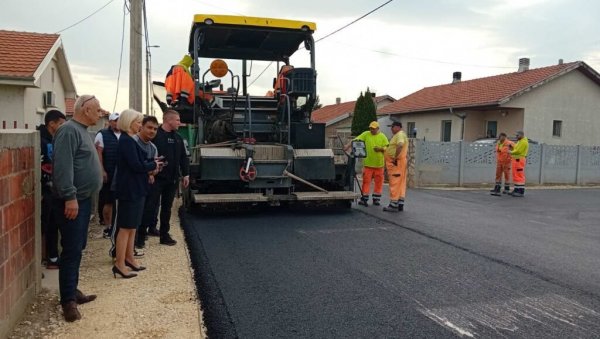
(77,176)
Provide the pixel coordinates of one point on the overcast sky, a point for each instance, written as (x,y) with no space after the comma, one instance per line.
(401,48)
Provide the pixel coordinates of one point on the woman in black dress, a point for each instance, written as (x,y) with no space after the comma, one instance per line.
(132,186)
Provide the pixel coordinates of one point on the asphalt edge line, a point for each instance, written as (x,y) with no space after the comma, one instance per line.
(216,315)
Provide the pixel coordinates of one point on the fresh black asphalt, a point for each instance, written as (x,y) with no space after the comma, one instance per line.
(455,263)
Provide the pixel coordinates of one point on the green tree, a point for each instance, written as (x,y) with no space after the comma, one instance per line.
(317,104)
(365,111)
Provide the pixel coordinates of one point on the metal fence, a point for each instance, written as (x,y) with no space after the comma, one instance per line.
(462,163)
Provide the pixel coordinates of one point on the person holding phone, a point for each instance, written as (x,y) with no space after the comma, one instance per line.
(143,138)
(176,168)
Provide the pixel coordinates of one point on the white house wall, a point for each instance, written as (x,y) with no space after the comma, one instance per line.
(572,98)
(11,106)
(475,124)
(429,125)
(34,97)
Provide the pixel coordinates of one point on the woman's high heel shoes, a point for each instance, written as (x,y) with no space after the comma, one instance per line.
(116,271)
(133,268)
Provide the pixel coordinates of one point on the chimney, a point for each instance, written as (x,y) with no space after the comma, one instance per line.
(560,61)
(456,77)
(338,101)
(523,65)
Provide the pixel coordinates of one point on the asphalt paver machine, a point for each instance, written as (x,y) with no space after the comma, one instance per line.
(258,149)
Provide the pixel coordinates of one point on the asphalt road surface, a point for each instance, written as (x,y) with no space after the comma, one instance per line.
(454,264)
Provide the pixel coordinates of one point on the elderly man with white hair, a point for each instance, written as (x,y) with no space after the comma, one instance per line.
(77,176)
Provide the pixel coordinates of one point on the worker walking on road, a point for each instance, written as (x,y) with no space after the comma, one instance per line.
(503,160)
(519,159)
(395,163)
(375,143)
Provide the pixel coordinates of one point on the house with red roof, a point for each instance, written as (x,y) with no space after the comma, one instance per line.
(558,104)
(34,78)
(338,117)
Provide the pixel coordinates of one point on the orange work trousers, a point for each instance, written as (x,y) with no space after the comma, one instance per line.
(503,167)
(518,171)
(396,177)
(370,173)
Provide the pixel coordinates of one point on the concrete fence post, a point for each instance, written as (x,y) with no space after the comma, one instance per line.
(578,167)
(542,159)
(461,162)
(414,180)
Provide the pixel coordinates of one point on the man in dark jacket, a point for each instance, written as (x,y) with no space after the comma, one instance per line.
(52,122)
(107,144)
(171,146)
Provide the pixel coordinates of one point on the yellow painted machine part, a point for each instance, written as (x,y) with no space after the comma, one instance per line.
(254,21)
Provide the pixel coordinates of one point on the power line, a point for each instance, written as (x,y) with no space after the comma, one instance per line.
(87,17)
(330,34)
(125,11)
(421,59)
(354,21)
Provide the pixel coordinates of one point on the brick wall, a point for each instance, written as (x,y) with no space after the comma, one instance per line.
(19,228)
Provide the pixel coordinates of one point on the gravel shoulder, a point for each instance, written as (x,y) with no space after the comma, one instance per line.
(160,303)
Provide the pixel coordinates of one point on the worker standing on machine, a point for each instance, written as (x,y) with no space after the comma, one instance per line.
(180,84)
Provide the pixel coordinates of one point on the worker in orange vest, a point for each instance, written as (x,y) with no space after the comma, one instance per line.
(395,162)
(280,85)
(503,162)
(180,84)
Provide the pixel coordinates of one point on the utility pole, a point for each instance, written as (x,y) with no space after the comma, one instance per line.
(149,99)
(135,55)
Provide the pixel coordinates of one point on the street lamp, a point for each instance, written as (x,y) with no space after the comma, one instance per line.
(149,101)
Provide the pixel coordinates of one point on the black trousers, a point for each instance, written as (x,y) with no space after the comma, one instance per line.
(161,194)
(49,225)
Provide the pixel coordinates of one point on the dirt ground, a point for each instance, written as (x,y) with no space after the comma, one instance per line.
(161,302)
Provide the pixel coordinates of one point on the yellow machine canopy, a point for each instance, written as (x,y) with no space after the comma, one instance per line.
(249,38)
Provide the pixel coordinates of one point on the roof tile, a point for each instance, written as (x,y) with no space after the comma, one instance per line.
(477,92)
(22,52)
(330,112)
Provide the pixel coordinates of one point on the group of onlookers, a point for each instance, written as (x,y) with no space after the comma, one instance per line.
(134,165)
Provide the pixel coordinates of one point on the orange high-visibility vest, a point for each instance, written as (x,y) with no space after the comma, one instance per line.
(281,82)
(179,85)
(503,151)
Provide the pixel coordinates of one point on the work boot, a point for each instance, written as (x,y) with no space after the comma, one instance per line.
(376,199)
(506,190)
(70,311)
(392,207)
(518,192)
(496,190)
(363,201)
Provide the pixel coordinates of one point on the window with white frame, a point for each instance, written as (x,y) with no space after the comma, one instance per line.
(557,128)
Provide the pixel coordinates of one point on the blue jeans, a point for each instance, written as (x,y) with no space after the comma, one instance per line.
(73,240)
